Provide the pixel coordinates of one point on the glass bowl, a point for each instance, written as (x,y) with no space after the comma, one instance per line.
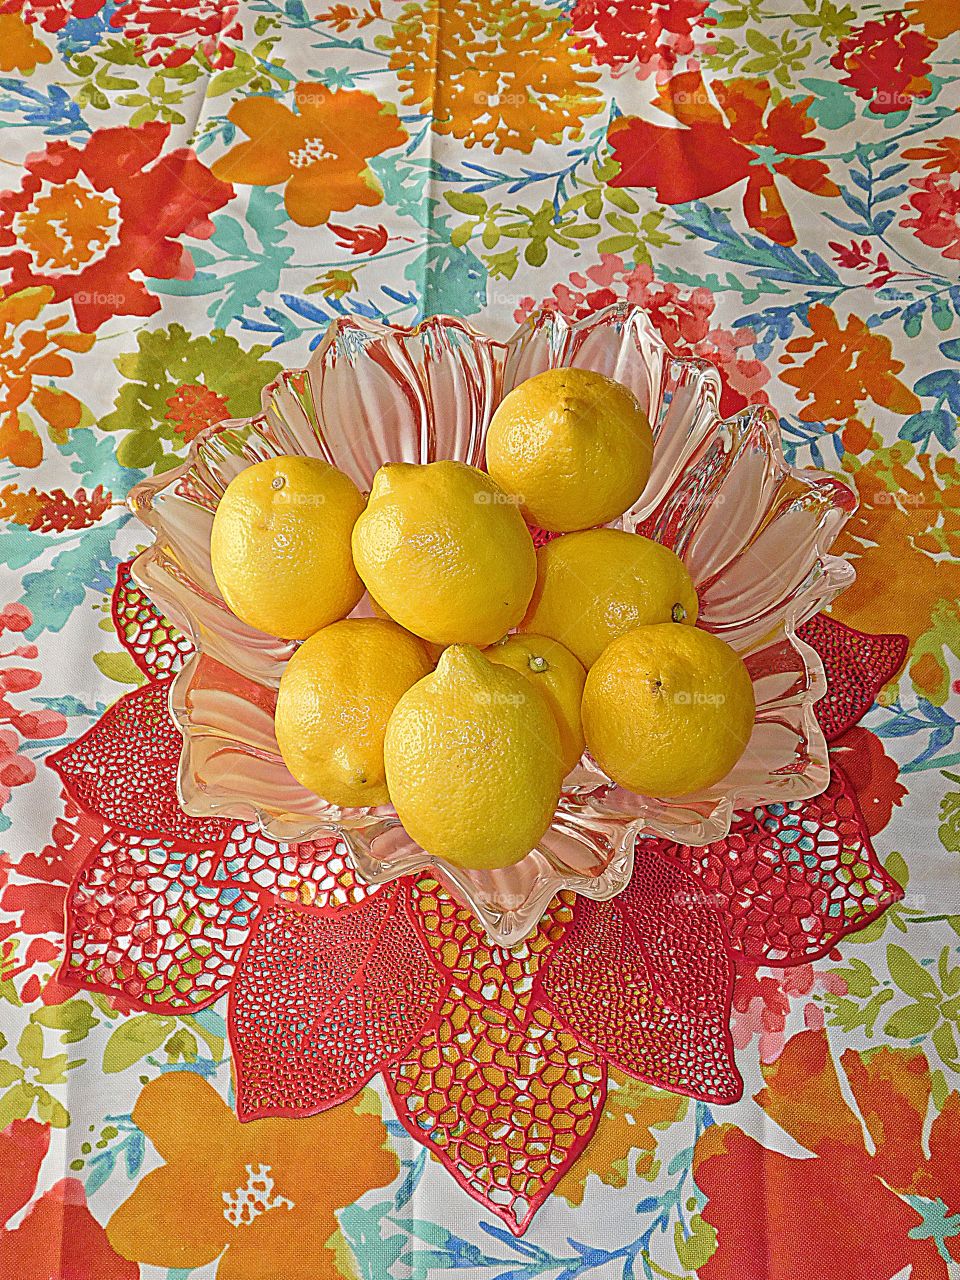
(753,532)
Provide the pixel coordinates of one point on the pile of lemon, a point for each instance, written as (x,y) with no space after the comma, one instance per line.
(468,699)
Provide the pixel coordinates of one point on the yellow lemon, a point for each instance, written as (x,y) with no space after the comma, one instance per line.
(336,696)
(433,650)
(594,586)
(473,761)
(558,675)
(574,446)
(445,552)
(668,710)
(280,546)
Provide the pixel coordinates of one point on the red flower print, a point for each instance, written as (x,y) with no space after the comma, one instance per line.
(55,510)
(33,897)
(858,256)
(936,203)
(761,1005)
(53,15)
(652,35)
(85,218)
(683,318)
(168,32)
(870,1224)
(732,132)
(886,62)
(360,239)
(193,407)
(34,889)
(874,775)
(58,1236)
(164,32)
(17,722)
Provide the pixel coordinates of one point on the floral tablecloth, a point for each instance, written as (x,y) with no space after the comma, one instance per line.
(191,193)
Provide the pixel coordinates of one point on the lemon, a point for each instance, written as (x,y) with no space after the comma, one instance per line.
(668,710)
(594,586)
(336,696)
(433,650)
(280,546)
(558,675)
(576,447)
(473,761)
(445,552)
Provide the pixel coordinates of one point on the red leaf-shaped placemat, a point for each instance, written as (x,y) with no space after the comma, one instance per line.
(155,644)
(507,1111)
(857,666)
(493,975)
(124,769)
(646,980)
(792,879)
(496,1060)
(313,873)
(142,920)
(322,1002)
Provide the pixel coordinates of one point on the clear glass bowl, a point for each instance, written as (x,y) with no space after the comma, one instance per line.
(753,532)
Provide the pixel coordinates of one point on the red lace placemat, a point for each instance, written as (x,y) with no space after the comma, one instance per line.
(496,1060)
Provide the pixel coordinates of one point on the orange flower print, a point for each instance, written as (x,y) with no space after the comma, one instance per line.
(939,18)
(260,1197)
(493,74)
(20,50)
(842,368)
(319,152)
(843,1208)
(904,541)
(31,354)
(939,154)
(625,1141)
(731,133)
